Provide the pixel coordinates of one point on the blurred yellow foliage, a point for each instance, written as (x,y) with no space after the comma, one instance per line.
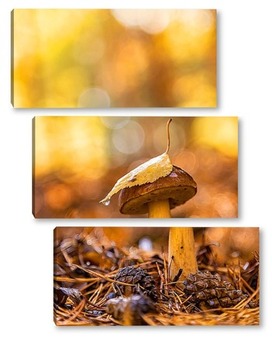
(219,133)
(114,58)
(73,146)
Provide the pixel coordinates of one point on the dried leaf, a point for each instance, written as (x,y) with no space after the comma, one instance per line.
(147,172)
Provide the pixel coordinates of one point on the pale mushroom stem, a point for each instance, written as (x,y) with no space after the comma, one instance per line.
(181,252)
(181,243)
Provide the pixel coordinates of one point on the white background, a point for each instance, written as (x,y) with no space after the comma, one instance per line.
(244,89)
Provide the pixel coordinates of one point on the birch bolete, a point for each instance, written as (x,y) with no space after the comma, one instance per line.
(155,188)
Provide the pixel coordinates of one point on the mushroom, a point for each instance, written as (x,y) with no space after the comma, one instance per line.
(157,198)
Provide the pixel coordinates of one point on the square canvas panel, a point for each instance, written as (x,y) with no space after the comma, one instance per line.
(77,161)
(156,276)
(72,58)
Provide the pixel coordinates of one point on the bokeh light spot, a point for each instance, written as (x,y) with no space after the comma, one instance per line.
(129,139)
(150,21)
(58,196)
(115,122)
(94,98)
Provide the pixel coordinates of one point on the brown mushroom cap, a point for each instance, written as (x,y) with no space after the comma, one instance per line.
(177,187)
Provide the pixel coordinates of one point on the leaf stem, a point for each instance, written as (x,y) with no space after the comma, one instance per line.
(168,134)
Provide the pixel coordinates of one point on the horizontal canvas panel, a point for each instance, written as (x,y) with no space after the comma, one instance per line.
(118,167)
(79,58)
(156,276)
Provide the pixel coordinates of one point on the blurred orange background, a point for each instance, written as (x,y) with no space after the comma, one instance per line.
(229,245)
(113,58)
(77,160)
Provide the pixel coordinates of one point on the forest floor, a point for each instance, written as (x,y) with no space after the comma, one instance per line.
(97,283)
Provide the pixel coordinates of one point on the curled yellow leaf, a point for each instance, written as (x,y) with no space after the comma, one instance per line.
(147,172)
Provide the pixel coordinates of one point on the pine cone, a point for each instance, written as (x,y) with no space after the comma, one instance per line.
(62,294)
(210,291)
(130,310)
(140,282)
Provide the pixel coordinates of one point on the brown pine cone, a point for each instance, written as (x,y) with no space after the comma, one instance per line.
(130,310)
(140,282)
(62,294)
(210,291)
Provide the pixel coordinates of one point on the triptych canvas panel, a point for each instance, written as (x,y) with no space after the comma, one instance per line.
(78,160)
(130,276)
(113,58)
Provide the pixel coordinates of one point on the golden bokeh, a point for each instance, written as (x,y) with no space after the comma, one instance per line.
(77,160)
(113,58)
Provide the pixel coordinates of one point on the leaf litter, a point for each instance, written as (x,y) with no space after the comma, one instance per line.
(88,292)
